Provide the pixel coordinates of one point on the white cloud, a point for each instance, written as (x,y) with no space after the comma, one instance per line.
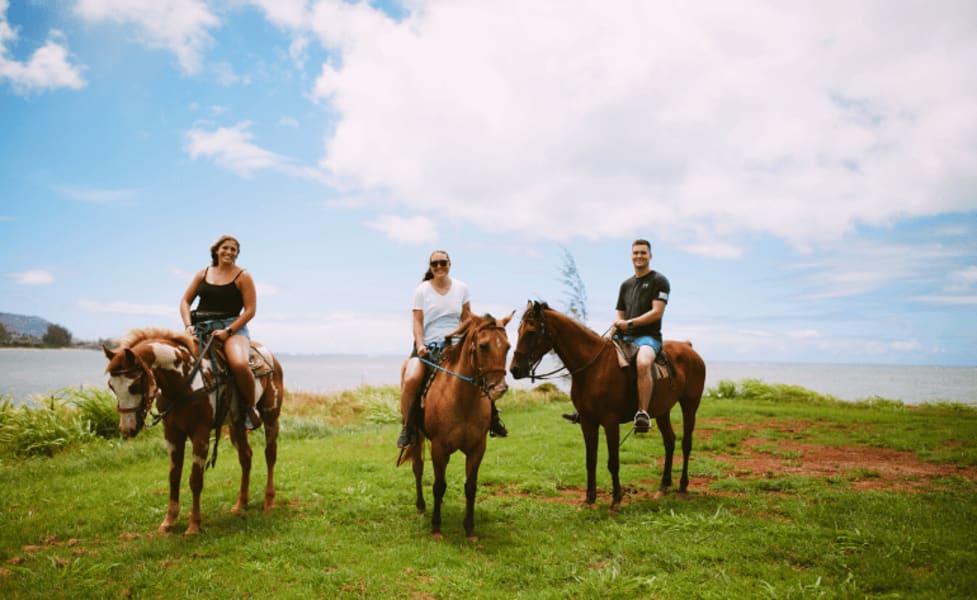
(179,26)
(698,124)
(291,14)
(48,67)
(408,230)
(97,196)
(35,277)
(126,308)
(226,75)
(232,149)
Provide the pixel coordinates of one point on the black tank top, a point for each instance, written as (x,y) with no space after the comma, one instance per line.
(220,298)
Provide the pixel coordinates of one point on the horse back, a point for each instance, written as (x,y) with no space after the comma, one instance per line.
(690,369)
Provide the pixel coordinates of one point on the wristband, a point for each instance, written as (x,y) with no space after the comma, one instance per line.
(229,331)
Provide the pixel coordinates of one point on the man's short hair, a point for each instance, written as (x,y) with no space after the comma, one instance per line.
(641,242)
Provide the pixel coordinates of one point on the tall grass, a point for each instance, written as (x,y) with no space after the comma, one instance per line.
(56,422)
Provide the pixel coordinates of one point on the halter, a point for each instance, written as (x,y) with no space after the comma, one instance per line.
(149,393)
(540,317)
(480,379)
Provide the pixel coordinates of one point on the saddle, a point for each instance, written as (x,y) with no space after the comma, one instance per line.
(258,363)
(661,370)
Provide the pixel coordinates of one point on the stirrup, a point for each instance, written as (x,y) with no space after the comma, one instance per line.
(406,438)
(573,417)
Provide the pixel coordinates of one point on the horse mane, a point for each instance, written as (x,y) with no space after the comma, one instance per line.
(147,334)
(542,305)
(459,337)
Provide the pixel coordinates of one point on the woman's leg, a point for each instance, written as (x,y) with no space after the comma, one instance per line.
(237,348)
(409,391)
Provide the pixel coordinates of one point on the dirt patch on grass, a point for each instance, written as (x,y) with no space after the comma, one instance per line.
(754,458)
(865,467)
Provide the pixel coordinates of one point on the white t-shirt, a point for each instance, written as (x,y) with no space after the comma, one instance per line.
(442,314)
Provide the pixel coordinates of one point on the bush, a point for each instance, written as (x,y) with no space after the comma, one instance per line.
(66,418)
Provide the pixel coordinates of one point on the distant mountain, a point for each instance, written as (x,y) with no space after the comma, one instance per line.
(24,325)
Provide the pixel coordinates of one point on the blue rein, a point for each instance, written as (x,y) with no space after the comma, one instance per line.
(470,380)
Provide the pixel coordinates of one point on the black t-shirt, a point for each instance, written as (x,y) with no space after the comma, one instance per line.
(635,298)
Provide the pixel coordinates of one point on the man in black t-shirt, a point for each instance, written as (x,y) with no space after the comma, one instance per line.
(640,307)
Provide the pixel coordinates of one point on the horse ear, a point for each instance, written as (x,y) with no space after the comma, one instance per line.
(130,356)
(108,353)
(506,320)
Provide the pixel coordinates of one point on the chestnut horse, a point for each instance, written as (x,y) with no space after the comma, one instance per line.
(153,365)
(457,410)
(599,389)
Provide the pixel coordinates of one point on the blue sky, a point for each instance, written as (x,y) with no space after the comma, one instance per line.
(807,172)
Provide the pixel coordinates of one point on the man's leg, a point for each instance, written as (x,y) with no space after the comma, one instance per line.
(643,362)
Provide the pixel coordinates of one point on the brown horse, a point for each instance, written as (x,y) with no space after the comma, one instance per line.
(457,410)
(599,389)
(154,365)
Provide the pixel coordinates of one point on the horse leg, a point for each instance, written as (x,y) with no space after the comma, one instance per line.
(271,457)
(439,458)
(688,426)
(417,463)
(590,434)
(472,463)
(613,434)
(668,440)
(176,448)
(244,456)
(200,442)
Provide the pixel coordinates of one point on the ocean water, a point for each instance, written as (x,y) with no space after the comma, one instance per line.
(28,372)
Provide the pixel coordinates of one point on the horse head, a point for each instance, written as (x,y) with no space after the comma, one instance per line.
(134,387)
(533,340)
(487,345)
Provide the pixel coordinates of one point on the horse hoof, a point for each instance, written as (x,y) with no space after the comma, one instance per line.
(436,535)
(473,538)
(659,495)
(191,531)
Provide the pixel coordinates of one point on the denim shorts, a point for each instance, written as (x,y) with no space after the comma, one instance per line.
(224,324)
(643,340)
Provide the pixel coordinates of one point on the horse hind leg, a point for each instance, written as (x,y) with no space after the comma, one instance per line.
(688,426)
(664,423)
(271,458)
(417,464)
(244,456)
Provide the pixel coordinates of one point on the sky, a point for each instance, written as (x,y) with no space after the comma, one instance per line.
(805,171)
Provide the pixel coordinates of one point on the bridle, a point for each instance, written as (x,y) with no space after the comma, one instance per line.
(536,315)
(149,393)
(480,379)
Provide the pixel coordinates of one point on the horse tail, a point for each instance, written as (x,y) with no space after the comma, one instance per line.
(412,452)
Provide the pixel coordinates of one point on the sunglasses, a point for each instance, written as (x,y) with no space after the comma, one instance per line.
(439,263)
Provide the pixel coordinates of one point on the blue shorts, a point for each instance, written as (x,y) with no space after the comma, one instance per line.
(643,340)
(225,323)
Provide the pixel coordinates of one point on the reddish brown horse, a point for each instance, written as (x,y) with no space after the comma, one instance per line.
(153,366)
(457,410)
(599,389)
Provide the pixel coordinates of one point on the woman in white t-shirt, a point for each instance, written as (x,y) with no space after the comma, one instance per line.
(440,305)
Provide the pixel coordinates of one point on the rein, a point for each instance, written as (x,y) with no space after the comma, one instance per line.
(544,332)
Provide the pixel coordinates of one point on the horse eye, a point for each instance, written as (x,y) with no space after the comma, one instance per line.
(135,388)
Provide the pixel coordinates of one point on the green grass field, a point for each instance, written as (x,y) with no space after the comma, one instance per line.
(792,495)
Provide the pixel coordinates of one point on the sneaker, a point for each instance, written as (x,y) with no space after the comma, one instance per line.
(406,438)
(573,417)
(497,429)
(642,422)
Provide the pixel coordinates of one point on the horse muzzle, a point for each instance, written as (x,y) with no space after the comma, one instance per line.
(496,390)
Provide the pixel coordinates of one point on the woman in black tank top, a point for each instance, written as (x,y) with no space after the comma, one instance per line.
(228,291)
